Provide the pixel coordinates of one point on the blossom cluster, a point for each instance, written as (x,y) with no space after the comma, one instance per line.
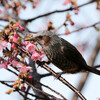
(13,56)
(17,5)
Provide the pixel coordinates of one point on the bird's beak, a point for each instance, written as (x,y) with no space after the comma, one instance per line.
(30,39)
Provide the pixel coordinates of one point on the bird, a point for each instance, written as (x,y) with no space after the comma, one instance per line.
(61,53)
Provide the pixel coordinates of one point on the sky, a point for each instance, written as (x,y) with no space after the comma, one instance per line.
(88,15)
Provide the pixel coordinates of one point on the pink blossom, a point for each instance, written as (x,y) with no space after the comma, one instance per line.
(14,39)
(3,44)
(36,56)
(66,2)
(25,69)
(14,86)
(13,45)
(30,47)
(30,77)
(21,67)
(3,65)
(16,63)
(22,28)
(15,35)
(27,42)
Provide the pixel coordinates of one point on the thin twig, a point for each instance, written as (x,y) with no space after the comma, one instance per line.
(50,89)
(42,91)
(12,71)
(54,91)
(65,82)
(74,30)
(82,28)
(57,11)
(48,74)
(86,27)
(11,86)
(26,93)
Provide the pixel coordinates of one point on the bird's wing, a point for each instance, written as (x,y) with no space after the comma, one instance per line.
(71,53)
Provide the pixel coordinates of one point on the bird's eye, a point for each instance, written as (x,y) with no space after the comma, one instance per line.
(40,37)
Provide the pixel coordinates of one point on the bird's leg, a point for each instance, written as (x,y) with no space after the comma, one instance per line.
(41,63)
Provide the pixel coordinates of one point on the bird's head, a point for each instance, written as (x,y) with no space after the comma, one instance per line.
(44,38)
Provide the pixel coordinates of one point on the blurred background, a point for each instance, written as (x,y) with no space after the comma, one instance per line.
(84,40)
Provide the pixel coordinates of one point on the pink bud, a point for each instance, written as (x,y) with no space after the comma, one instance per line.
(14,39)
(26,42)
(13,45)
(67,32)
(22,28)
(72,23)
(30,77)
(66,2)
(23,88)
(14,86)
(30,47)
(15,35)
(35,56)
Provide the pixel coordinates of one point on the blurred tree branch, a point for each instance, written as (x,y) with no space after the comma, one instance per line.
(58,11)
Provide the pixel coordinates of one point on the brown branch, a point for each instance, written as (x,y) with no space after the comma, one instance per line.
(85,27)
(19,90)
(57,11)
(63,81)
(11,86)
(12,72)
(91,62)
(82,28)
(48,74)
(4,19)
(51,89)
(74,30)
(26,93)
(23,95)
(54,91)
(47,94)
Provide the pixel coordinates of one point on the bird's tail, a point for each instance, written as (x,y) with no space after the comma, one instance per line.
(93,69)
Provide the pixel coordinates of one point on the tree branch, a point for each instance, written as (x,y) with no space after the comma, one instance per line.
(42,91)
(19,90)
(63,81)
(84,27)
(26,94)
(57,11)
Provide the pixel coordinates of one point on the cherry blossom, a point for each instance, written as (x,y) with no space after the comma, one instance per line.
(30,47)
(36,56)
(3,65)
(13,45)
(25,69)
(14,39)
(16,63)
(3,44)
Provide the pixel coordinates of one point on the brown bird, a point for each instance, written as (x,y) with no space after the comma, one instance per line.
(61,53)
